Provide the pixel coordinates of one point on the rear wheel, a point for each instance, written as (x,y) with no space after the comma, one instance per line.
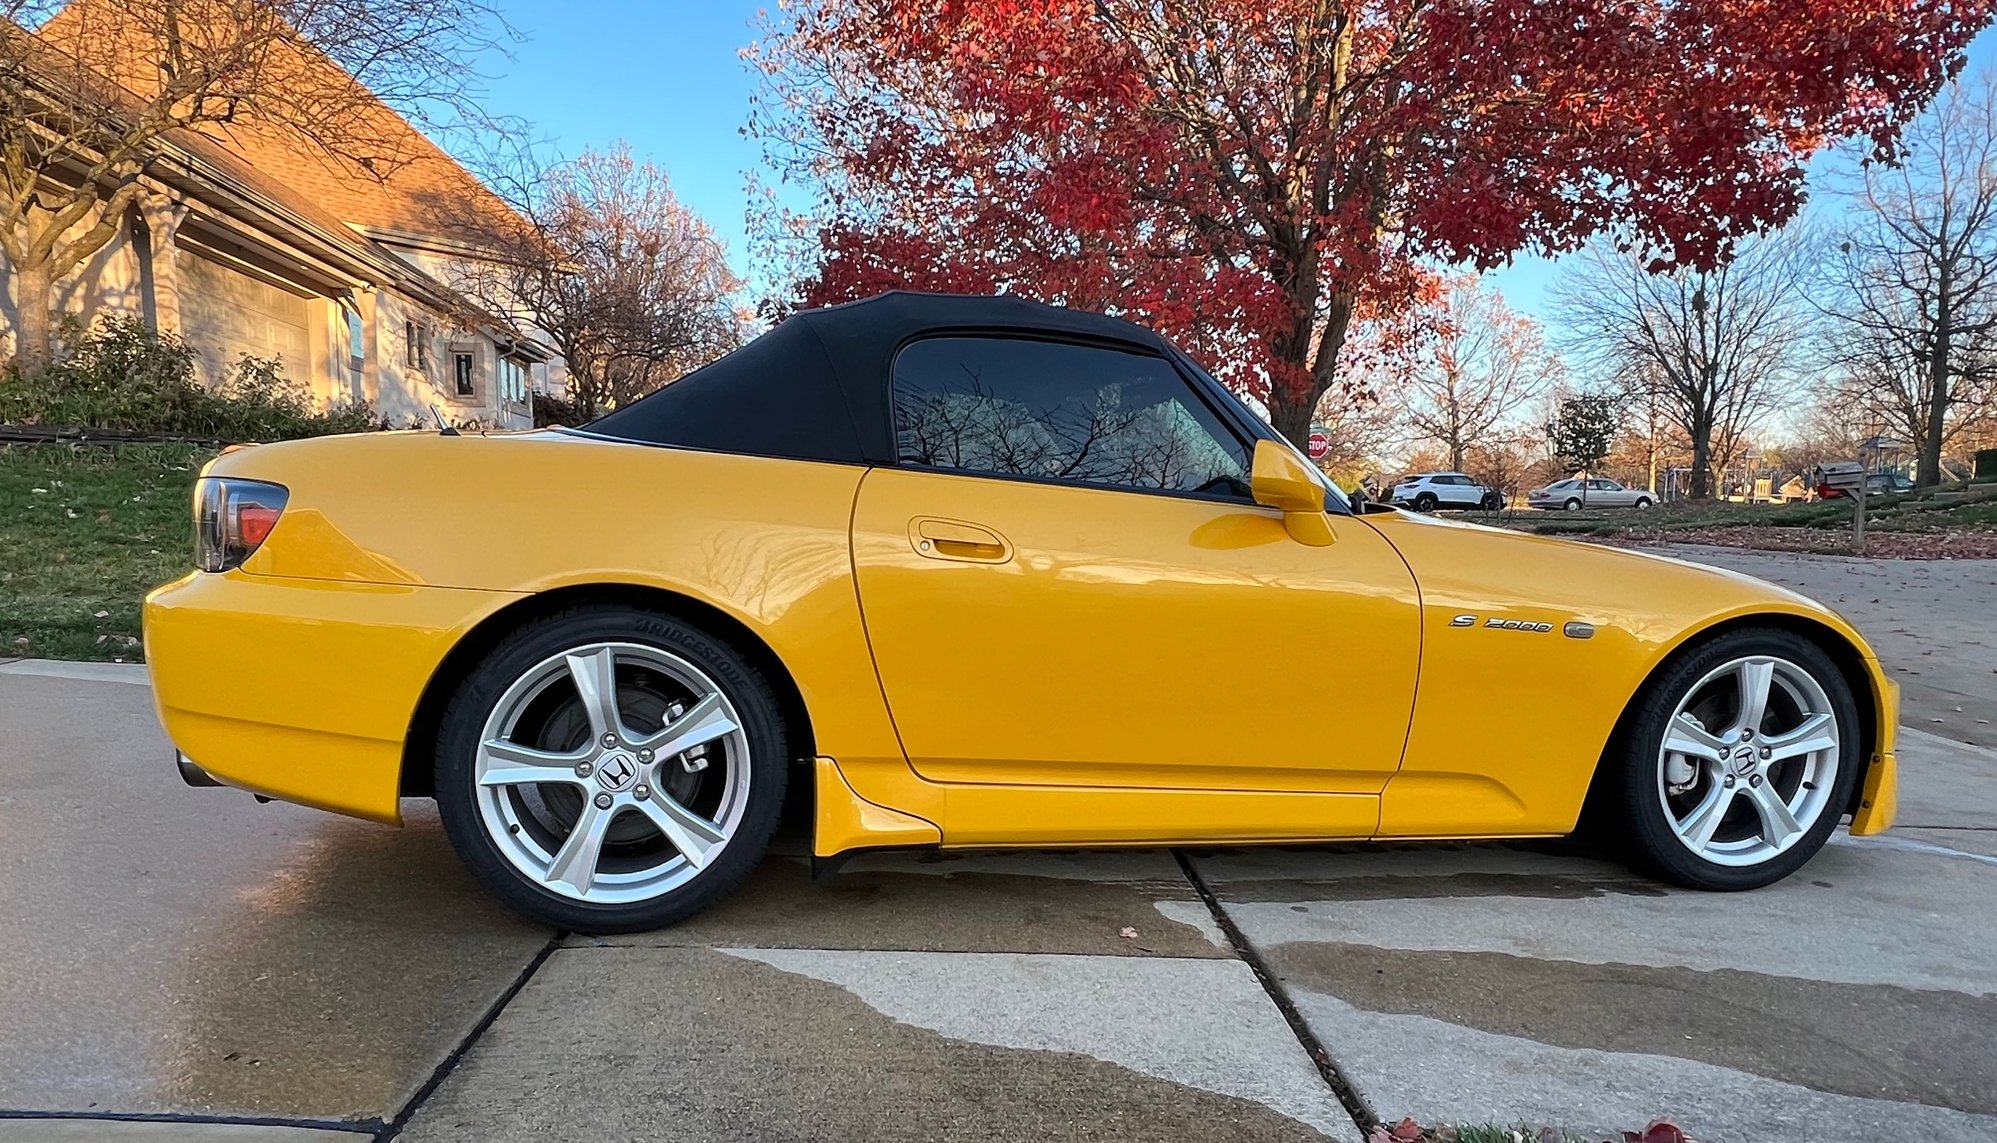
(609,769)
(1572,505)
(1740,760)
(1425,502)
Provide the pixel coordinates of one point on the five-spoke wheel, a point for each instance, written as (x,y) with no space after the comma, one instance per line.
(1740,762)
(1742,793)
(611,769)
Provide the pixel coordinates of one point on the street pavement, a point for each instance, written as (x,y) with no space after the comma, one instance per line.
(187,966)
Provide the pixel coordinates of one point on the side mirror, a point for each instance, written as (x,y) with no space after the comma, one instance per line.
(1280,479)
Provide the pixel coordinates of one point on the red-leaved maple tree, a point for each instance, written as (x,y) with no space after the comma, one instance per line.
(1252,176)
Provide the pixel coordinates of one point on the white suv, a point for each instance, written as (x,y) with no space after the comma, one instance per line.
(1428,491)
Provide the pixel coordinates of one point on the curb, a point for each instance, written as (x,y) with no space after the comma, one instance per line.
(134,673)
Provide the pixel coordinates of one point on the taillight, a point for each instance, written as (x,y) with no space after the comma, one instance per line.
(231,518)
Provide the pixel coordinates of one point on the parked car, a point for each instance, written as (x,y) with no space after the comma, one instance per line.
(1876,484)
(1588,492)
(1431,491)
(889,564)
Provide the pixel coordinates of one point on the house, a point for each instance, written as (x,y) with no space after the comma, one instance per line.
(250,239)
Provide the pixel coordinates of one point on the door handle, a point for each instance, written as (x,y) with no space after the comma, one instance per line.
(941,539)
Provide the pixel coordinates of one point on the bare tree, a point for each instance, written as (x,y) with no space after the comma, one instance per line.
(1481,364)
(1716,349)
(1359,430)
(1914,278)
(628,283)
(96,97)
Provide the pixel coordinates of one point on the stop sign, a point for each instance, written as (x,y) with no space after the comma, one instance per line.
(1320,442)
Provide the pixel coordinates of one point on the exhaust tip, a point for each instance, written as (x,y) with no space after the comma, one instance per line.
(192,774)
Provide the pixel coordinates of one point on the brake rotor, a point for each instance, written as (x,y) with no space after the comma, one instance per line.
(556,806)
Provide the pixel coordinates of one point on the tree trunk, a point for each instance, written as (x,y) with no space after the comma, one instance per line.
(1702,460)
(1290,413)
(34,290)
(1928,470)
(1293,408)
(1456,451)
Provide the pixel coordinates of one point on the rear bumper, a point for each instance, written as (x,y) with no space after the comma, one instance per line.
(300,689)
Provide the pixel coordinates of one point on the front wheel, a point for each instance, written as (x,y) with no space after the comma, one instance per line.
(1492,502)
(608,769)
(1643,502)
(1739,762)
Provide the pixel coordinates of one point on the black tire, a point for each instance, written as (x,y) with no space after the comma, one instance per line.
(744,686)
(1492,502)
(1630,790)
(1425,502)
(1572,505)
(1643,502)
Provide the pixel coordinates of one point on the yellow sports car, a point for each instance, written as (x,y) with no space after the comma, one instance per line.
(964,571)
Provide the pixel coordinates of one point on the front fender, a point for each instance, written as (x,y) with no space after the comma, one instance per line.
(1522,765)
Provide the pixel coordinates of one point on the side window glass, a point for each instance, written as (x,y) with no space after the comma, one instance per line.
(1013,407)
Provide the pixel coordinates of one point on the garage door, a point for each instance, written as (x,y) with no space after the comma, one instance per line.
(225,313)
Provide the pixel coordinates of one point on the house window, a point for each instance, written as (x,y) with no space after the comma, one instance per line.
(357,346)
(464,368)
(513,374)
(416,345)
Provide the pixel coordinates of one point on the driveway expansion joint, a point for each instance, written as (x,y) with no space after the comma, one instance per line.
(450,1062)
(1363,1116)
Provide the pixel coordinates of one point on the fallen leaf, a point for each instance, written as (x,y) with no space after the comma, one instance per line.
(1662,1131)
(1127,933)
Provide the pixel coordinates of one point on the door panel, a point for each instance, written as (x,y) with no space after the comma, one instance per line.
(1127,639)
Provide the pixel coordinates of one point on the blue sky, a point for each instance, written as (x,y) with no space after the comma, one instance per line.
(666,76)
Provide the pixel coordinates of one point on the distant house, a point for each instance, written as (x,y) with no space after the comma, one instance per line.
(253,240)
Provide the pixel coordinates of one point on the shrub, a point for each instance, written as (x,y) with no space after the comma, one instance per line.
(550,410)
(126,376)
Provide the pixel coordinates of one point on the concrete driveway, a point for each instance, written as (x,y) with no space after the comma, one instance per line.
(187,965)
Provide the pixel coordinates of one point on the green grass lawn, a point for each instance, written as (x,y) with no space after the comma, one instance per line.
(1955,508)
(85,532)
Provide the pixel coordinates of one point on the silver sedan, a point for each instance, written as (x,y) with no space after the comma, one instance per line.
(1589,492)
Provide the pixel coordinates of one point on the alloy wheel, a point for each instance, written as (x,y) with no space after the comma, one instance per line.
(1749,760)
(612,773)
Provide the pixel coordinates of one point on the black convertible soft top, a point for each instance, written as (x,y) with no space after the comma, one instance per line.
(817,386)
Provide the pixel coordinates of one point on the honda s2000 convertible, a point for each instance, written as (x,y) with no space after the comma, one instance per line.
(957,571)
